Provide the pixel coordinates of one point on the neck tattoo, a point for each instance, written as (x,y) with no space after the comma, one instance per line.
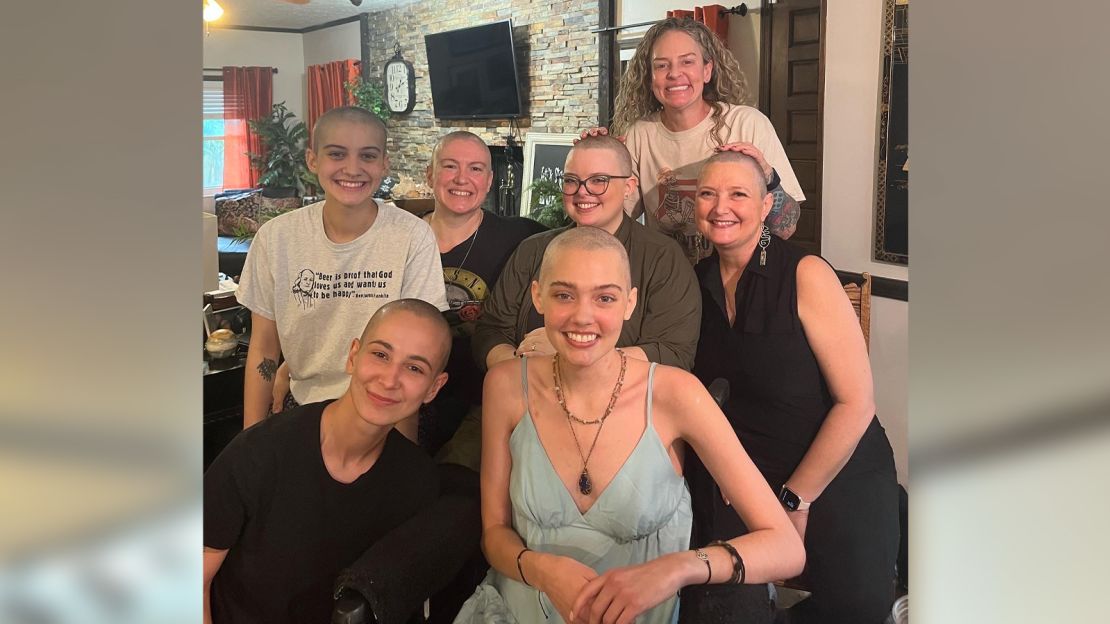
(585,484)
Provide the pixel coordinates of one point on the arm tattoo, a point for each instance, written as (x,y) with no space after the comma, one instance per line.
(267,368)
(784,214)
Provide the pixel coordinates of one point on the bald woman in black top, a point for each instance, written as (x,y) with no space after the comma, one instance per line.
(777,325)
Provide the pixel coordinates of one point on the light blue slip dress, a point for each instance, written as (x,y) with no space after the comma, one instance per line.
(642,514)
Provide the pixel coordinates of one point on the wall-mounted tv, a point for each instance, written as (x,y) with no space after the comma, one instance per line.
(473,72)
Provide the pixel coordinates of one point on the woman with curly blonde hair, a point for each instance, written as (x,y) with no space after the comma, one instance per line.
(682,99)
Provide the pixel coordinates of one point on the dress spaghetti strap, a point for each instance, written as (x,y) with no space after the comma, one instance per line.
(524,377)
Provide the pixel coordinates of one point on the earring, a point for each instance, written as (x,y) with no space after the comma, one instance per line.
(764,240)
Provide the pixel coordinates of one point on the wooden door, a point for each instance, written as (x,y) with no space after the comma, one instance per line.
(791,91)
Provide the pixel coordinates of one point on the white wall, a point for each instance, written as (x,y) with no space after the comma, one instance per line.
(853,65)
(853,32)
(743,41)
(284,51)
(890,371)
(332,44)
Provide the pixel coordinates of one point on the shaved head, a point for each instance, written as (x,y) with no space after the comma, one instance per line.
(606,142)
(420,309)
(737,158)
(459,135)
(352,114)
(588,239)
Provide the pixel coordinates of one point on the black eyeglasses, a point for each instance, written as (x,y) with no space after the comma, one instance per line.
(595,185)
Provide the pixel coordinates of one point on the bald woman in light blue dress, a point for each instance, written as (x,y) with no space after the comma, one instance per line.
(586,516)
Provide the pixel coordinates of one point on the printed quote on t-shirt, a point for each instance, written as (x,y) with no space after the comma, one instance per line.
(312,286)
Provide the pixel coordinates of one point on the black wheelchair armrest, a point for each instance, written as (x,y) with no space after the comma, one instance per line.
(351,607)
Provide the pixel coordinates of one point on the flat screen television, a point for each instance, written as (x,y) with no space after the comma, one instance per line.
(473,72)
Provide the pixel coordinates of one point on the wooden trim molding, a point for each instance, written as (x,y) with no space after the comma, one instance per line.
(607,62)
(885,287)
(338,22)
(295,31)
(364,45)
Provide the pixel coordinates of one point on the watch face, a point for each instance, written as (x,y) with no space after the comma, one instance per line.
(789,499)
(397,80)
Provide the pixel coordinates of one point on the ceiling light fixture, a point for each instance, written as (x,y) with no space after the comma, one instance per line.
(212,10)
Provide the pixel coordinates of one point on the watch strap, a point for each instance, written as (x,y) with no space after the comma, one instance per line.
(802,503)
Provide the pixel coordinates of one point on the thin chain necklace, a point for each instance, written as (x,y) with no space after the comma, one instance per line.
(473,238)
(585,484)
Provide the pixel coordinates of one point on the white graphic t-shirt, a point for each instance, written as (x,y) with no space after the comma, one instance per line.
(321,294)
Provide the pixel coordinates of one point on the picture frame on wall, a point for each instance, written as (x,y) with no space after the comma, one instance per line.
(544,156)
(891,232)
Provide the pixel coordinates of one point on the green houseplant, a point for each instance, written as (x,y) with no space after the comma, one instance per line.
(547,203)
(283,167)
(369,96)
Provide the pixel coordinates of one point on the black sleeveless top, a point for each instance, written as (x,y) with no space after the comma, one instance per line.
(778,397)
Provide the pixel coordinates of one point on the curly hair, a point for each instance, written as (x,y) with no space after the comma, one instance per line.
(635,100)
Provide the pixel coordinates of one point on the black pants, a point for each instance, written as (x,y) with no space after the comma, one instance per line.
(851,548)
(851,545)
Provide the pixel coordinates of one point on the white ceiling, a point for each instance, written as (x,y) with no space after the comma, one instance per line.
(281,14)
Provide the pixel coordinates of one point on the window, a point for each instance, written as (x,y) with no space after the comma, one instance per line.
(213,137)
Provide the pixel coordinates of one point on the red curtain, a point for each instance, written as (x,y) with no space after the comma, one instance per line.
(709,15)
(325,87)
(248,94)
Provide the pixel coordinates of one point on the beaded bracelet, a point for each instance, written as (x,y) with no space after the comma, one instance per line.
(518,566)
(737,561)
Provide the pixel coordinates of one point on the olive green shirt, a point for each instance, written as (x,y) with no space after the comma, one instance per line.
(665,323)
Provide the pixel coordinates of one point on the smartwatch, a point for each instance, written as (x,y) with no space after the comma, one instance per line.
(791,501)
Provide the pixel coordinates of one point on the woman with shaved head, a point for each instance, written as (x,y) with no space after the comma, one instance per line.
(585,513)
(777,325)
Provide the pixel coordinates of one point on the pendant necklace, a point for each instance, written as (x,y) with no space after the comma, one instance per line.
(585,484)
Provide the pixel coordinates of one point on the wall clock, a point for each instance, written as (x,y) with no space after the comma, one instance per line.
(400,84)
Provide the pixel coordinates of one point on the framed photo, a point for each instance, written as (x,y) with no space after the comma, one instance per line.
(544,157)
(892,180)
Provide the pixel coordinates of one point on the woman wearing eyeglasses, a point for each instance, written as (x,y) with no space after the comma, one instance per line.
(664,326)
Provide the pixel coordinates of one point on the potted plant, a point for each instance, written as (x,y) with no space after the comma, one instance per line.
(547,203)
(369,96)
(283,167)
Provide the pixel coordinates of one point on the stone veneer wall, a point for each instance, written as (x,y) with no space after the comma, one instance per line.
(556,61)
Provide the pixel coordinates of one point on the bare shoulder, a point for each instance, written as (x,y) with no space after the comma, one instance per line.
(677,391)
(503,378)
(502,395)
(816,278)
